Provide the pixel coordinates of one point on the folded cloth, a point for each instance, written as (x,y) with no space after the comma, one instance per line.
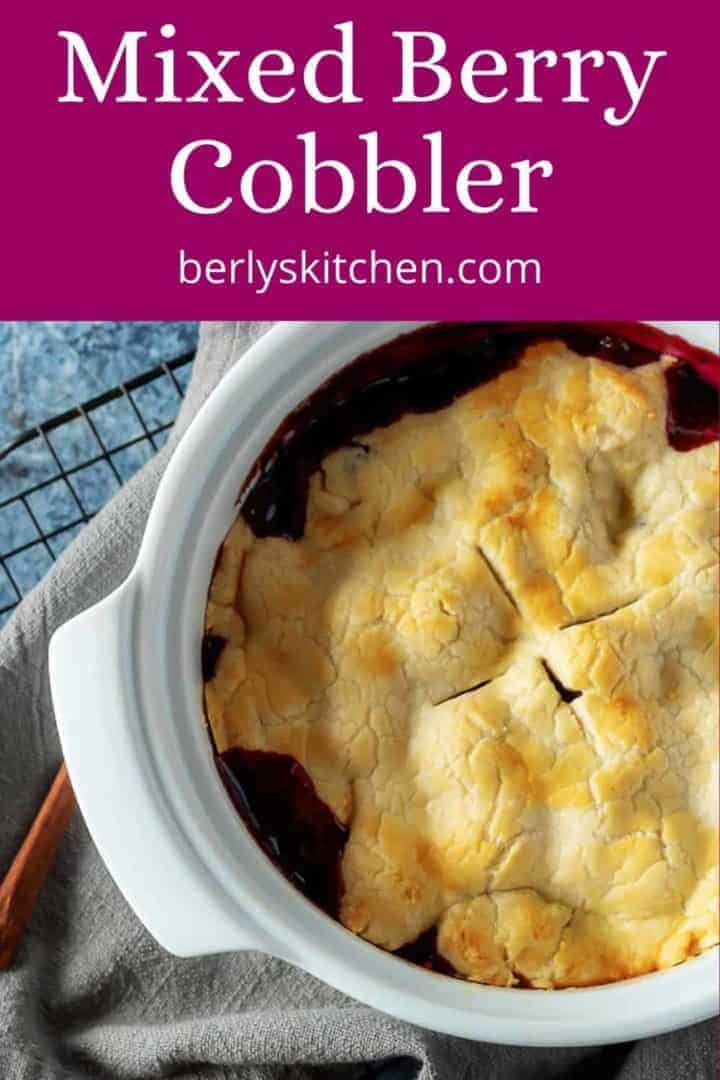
(91,994)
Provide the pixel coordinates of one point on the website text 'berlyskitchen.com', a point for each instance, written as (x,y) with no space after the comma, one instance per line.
(264,272)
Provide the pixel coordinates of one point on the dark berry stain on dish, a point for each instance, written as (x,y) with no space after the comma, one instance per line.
(277,800)
(693,408)
(427,370)
(423,951)
(212,647)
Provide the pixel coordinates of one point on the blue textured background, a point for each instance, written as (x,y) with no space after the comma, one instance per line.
(45,369)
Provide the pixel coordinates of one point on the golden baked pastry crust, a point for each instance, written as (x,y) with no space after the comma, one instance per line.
(406,651)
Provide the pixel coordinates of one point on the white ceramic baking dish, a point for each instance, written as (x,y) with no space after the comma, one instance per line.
(127,691)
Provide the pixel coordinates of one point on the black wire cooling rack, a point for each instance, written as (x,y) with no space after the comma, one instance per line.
(57,475)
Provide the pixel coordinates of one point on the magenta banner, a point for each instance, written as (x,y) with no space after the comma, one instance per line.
(410,160)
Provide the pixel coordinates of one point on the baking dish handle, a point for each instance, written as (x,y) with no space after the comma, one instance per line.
(142,845)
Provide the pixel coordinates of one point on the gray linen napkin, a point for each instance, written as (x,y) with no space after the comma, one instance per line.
(92,994)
